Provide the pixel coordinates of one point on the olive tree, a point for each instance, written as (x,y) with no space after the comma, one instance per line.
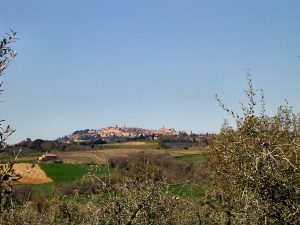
(7,175)
(256,165)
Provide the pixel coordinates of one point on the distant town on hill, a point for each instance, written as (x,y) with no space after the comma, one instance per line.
(111,137)
(116,133)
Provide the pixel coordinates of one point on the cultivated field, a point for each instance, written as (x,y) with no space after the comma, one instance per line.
(74,166)
(102,156)
(31,174)
(65,173)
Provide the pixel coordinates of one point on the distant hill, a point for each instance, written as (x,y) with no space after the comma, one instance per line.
(95,140)
(38,146)
(119,134)
(87,139)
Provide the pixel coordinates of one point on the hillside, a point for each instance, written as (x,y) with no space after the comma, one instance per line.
(30,147)
(117,134)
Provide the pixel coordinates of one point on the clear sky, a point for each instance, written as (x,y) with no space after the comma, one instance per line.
(146,63)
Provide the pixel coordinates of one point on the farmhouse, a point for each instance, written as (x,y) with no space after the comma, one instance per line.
(49,157)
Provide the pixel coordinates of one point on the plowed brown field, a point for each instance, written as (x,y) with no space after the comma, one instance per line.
(31,175)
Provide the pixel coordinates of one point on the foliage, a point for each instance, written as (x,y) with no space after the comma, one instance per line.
(7,175)
(39,145)
(130,202)
(6,55)
(162,144)
(183,141)
(257,166)
(161,167)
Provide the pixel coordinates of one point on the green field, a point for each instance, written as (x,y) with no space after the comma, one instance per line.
(190,191)
(192,158)
(67,173)
(64,173)
(186,191)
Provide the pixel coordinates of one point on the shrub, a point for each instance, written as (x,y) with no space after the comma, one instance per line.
(7,174)
(132,202)
(80,187)
(22,193)
(257,166)
(157,167)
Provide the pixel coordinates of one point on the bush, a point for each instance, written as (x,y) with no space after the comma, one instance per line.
(257,166)
(7,174)
(80,187)
(132,202)
(22,193)
(159,167)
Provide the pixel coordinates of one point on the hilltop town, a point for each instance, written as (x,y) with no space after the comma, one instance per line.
(113,132)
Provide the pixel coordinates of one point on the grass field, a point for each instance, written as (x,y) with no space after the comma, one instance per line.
(64,173)
(190,191)
(98,157)
(75,167)
(186,191)
(102,156)
(149,144)
(192,157)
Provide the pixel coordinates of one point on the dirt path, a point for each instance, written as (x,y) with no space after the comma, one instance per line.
(31,175)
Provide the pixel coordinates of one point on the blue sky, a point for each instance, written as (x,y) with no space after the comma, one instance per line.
(90,64)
